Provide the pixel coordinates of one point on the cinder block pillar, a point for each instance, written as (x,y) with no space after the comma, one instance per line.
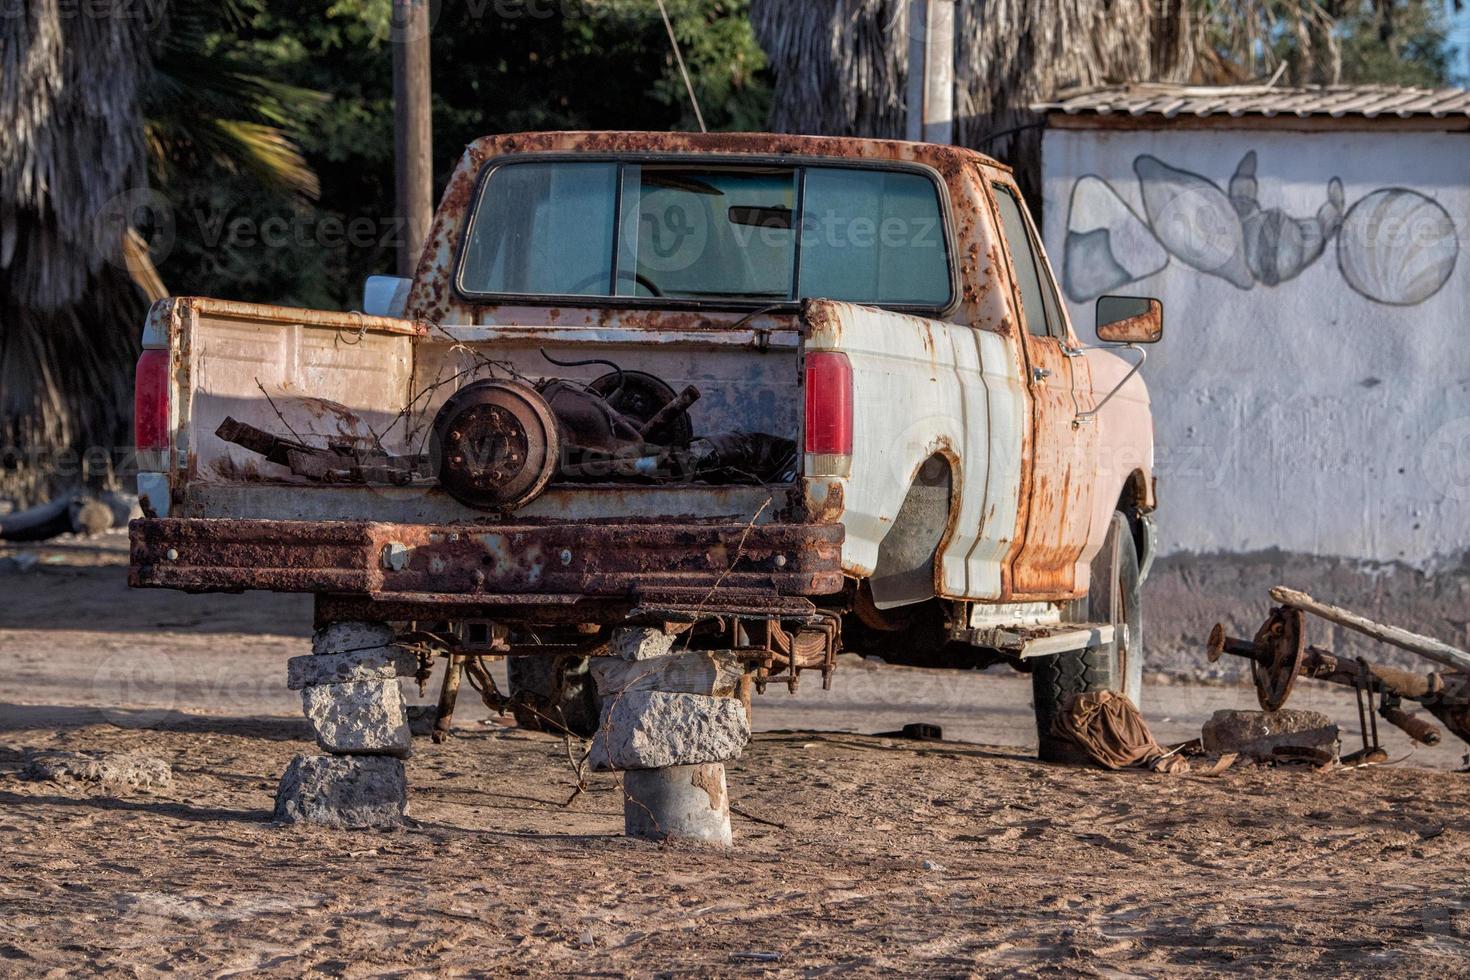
(351,695)
(669,723)
(677,801)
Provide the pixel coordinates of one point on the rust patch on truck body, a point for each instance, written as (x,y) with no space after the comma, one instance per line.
(472,563)
(1057,484)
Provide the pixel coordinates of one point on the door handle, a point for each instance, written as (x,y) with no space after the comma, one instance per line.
(1040,374)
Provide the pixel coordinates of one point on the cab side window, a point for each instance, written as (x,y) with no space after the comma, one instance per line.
(1038,299)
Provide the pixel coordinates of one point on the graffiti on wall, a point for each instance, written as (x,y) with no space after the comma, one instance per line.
(1393,246)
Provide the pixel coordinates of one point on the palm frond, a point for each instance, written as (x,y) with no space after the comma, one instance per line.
(74,95)
(206,101)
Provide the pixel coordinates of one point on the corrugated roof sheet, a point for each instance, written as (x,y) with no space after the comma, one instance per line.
(1331,101)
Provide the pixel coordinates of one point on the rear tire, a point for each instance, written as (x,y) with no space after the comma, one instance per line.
(1118,666)
(1053,680)
(554,694)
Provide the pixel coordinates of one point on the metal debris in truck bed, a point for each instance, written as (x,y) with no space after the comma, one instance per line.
(496,443)
(337,462)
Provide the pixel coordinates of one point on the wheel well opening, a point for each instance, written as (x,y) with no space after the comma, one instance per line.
(904,571)
(1135,491)
(1130,504)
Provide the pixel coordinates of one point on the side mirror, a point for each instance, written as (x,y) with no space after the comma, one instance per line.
(1126,320)
(385,295)
(1129,319)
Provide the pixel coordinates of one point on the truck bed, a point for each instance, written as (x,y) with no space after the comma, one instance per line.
(222,516)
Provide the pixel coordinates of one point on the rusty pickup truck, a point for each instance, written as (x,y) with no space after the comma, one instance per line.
(788,395)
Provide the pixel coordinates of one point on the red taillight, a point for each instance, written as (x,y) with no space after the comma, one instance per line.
(828,403)
(150,402)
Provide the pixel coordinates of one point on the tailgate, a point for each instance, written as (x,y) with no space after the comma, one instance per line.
(373,385)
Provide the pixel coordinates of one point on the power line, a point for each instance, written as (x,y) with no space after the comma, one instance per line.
(688,85)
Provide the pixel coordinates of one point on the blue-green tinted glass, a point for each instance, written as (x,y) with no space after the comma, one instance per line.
(1034,308)
(707,233)
(873,236)
(727,231)
(543,229)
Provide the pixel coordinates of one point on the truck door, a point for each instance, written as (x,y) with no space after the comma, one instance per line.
(1056,500)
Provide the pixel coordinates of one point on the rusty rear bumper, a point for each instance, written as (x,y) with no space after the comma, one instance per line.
(479,563)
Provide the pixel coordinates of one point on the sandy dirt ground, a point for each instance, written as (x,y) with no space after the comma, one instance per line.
(855,852)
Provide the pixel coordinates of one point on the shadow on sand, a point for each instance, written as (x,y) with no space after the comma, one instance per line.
(163,808)
(53,717)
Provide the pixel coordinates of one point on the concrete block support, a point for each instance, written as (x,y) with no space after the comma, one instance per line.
(640,642)
(350,693)
(714,673)
(688,802)
(652,730)
(347,636)
(669,723)
(343,791)
(358,718)
(376,664)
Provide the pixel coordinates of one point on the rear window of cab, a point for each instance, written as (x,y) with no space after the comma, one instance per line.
(736,233)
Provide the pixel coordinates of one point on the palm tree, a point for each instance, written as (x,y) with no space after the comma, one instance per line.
(841,65)
(71,141)
(92,100)
(207,101)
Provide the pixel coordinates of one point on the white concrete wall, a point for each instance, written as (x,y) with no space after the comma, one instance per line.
(1319,405)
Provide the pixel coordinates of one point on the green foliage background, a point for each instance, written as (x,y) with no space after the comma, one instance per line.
(321,71)
(1415,52)
(498,66)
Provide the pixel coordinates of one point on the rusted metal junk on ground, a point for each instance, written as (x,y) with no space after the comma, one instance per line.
(1279,655)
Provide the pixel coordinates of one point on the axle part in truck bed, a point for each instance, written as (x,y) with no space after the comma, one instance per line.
(496,444)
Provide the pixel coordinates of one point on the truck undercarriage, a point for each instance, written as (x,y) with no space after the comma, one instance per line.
(773,576)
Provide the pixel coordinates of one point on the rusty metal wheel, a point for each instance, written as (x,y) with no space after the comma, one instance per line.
(1280,638)
(495,445)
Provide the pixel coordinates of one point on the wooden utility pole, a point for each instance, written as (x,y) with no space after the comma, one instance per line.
(931,71)
(412,129)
